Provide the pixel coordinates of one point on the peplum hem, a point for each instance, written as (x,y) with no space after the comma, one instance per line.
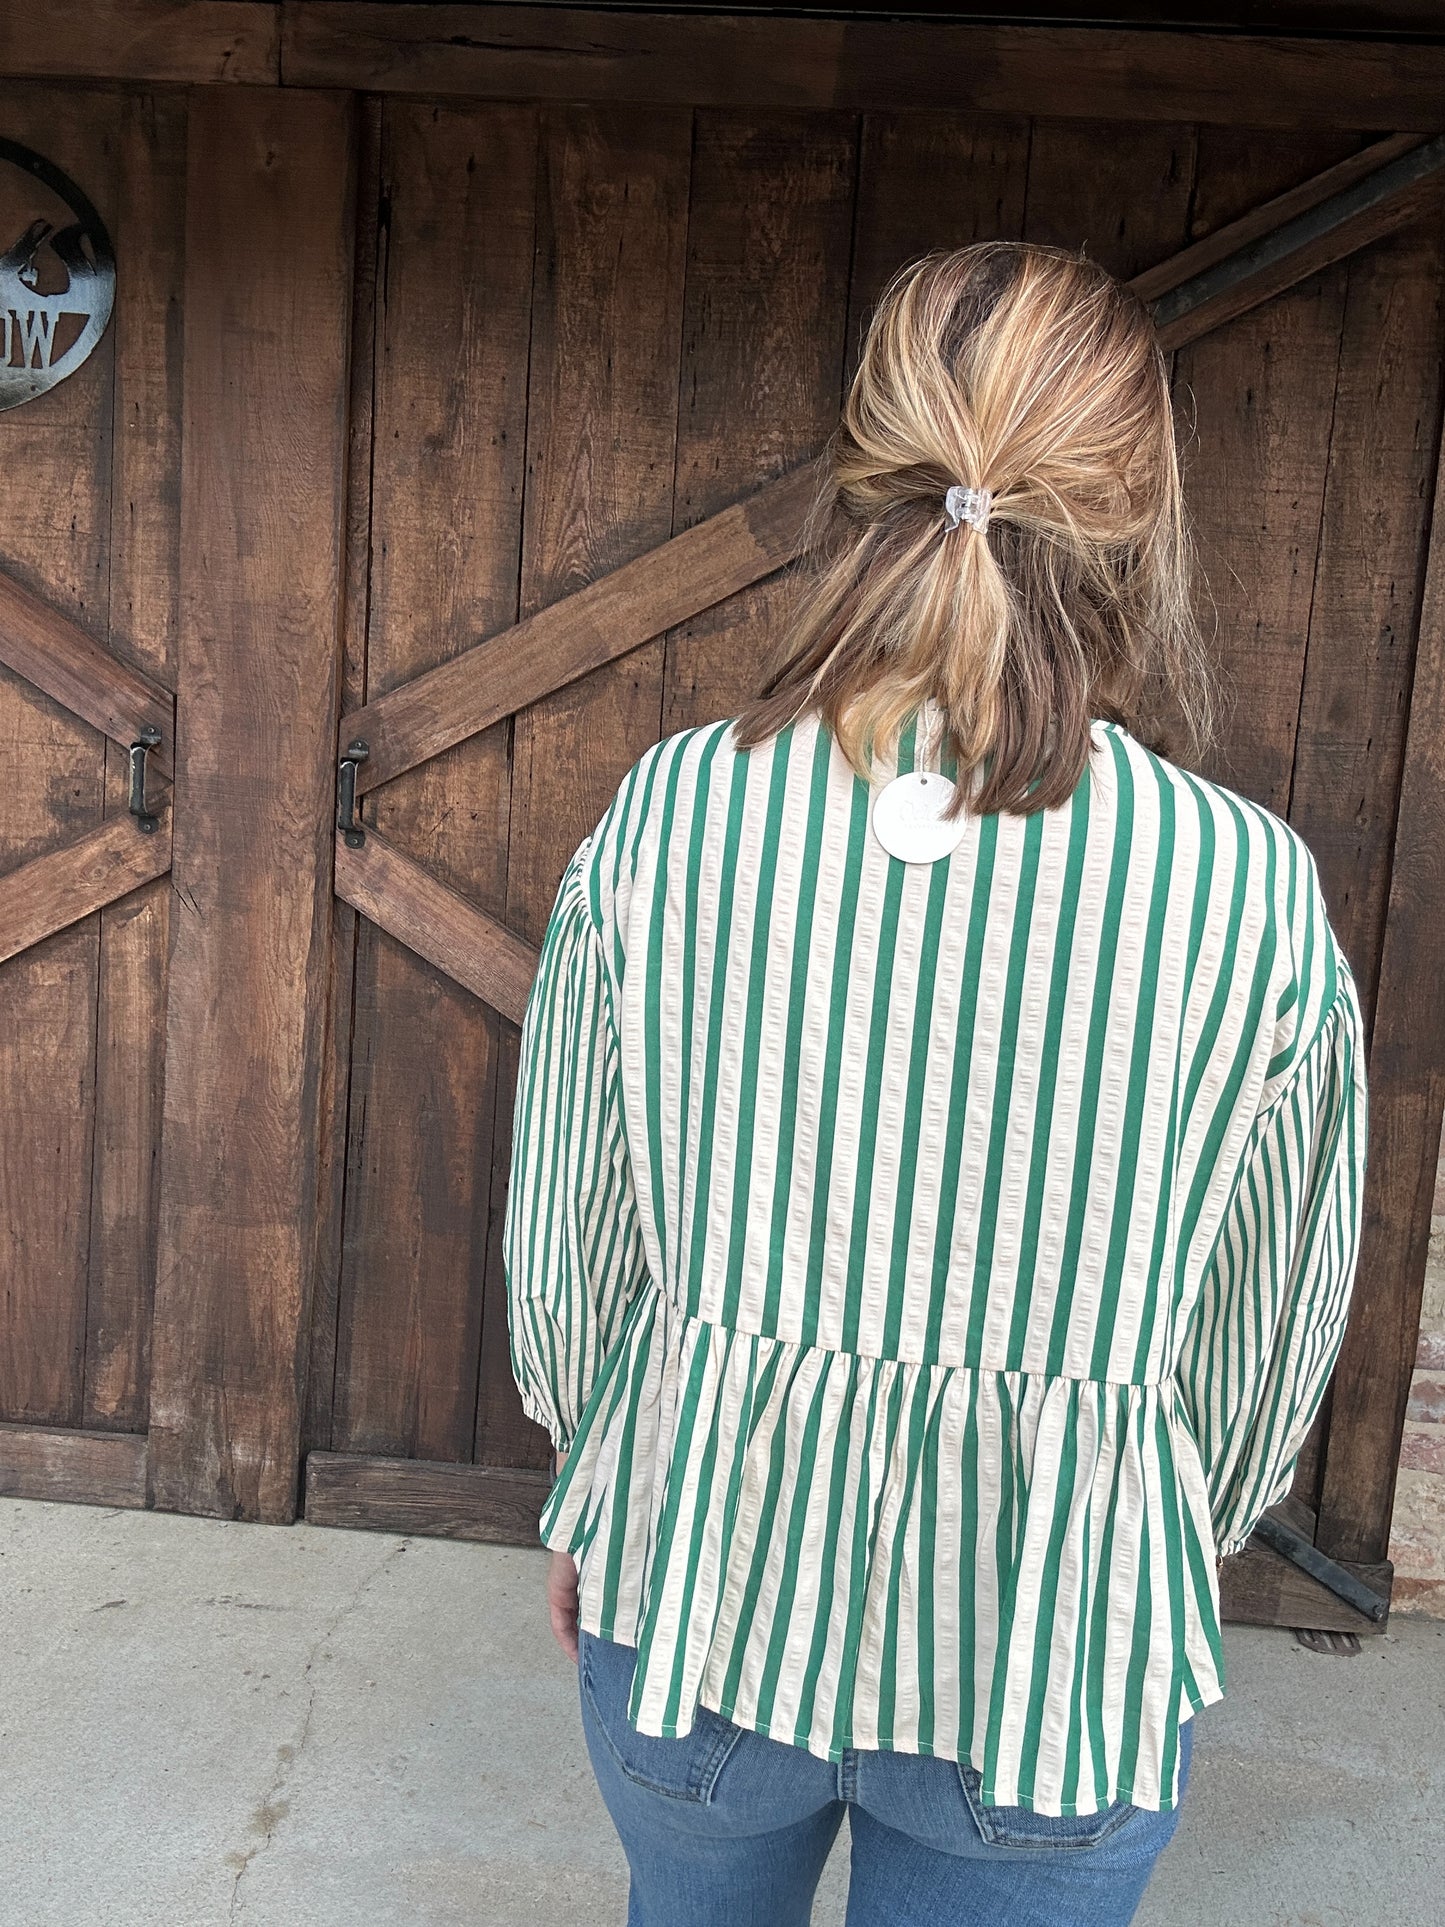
(837,1550)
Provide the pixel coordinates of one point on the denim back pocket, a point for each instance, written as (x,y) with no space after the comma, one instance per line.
(1022,1827)
(683,1769)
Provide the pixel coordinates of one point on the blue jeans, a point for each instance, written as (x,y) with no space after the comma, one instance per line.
(727,1828)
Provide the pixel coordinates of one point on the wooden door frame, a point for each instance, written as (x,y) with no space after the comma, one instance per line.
(756,60)
(270,233)
(225,1419)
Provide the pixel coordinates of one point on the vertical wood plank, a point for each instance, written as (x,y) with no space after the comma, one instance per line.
(346,923)
(134,933)
(929,181)
(54,537)
(601,435)
(1407,1090)
(1255,402)
(267,294)
(1365,607)
(762,359)
(1117,190)
(453,316)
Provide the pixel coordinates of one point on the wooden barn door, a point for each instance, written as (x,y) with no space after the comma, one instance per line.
(593,358)
(495,446)
(560,374)
(170,577)
(88,513)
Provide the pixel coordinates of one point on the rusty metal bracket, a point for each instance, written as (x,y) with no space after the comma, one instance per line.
(1352,205)
(1342,1583)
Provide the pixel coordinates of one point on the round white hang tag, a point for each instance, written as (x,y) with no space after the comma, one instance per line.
(906,817)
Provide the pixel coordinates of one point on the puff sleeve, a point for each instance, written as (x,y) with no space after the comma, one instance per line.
(572,1244)
(1266,1329)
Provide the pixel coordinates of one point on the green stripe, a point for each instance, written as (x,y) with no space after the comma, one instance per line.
(757,986)
(818,1241)
(1003,1090)
(1081,1187)
(1049,1067)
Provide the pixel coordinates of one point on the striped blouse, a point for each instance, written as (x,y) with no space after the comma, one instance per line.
(929,1266)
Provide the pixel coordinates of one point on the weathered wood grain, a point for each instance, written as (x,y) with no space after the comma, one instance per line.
(76,1467)
(54,891)
(1365,607)
(408,901)
(927,181)
(1267,215)
(145,520)
(1120,192)
(488,1502)
(543,52)
(1255,405)
(1260,1587)
(1295,250)
(147,40)
(452,329)
(764,334)
(490,680)
(601,434)
(39,642)
(1407,1083)
(263,474)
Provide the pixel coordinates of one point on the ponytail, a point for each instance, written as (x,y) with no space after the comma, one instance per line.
(1027,381)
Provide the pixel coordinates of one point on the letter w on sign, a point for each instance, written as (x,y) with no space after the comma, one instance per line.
(37,336)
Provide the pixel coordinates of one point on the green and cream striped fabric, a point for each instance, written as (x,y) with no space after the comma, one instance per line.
(929,1266)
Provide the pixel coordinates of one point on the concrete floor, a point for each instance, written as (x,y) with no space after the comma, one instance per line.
(206,1724)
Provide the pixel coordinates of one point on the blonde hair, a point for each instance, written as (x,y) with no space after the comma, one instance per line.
(1032,373)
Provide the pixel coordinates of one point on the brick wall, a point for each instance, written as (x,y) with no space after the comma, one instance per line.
(1417,1529)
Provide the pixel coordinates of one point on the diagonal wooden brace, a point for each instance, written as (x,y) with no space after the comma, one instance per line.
(51,892)
(437,922)
(53,652)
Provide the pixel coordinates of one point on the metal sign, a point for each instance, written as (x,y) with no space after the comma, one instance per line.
(57,276)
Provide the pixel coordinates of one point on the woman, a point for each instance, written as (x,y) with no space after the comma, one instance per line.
(935,1192)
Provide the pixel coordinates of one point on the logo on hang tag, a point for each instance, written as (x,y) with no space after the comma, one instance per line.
(907,817)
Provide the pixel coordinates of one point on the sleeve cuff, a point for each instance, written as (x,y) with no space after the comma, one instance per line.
(544,1416)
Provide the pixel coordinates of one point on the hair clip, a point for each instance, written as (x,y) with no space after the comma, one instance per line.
(969,505)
